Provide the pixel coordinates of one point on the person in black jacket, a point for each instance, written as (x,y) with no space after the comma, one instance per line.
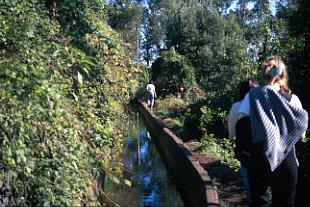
(236,129)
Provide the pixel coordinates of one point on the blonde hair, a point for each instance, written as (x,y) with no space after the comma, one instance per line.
(282,79)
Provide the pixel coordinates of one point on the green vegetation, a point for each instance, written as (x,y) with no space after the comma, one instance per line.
(64,77)
(222,149)
(173,71)
(68,68)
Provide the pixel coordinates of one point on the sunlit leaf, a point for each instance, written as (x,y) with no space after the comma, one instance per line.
(127,182)
(115,180)
(80,78)
(89,62)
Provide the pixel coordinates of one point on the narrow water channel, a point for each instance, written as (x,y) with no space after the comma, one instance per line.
(152,185)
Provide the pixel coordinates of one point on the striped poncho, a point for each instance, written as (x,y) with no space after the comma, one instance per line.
(277,122)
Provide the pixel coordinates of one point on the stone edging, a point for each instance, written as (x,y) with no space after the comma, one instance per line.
(193,179)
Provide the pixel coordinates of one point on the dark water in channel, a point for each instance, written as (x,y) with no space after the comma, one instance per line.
(152,185)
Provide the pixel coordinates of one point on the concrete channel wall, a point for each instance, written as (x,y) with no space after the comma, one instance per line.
(190,175)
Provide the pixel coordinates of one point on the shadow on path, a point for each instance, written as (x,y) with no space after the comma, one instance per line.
(228,183)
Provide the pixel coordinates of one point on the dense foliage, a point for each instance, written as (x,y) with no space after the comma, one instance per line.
(299,55)
(66,71)
(172,71)
(64,76)
(126,17)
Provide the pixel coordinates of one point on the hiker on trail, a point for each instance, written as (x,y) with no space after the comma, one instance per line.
(151,94)
(278,121)
(233,117)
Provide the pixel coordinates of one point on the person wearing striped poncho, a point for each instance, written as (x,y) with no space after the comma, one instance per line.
(278,121)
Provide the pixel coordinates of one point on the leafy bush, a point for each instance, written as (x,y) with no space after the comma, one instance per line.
(170,106)
(213,121)
(62,91)
(204,116)
(172,71)
(221,148)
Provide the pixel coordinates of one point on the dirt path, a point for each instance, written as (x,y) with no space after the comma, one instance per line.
(228,183)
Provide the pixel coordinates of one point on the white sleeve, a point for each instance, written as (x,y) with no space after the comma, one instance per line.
(295,101)
(232,120)
(245,106)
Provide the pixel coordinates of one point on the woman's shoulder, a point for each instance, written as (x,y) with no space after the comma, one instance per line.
(295,101)
(292,98)
(235,105)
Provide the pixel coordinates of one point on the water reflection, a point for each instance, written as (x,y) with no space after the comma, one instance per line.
(151,184)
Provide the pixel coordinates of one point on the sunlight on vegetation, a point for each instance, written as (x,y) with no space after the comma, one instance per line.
(69,69)
(63,81)
(170,106)
(222,149)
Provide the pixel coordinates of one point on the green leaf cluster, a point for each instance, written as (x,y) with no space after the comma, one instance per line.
(222,149)
(172,71)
